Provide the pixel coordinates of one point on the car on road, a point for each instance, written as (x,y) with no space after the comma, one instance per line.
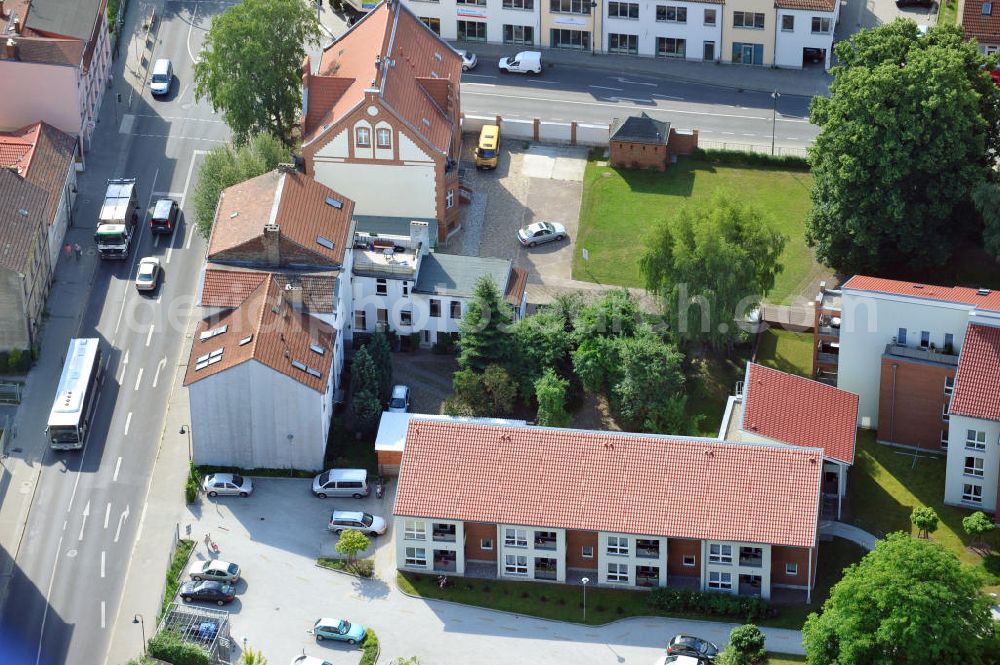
(525,62)
(340,630)
(914,3)
(219,593)
(164,218)
(370,525)
(148,276)
(163,76)
(215,570)
(400,400)
(688,645)
(309,660)
(469,60)
(227,484)
(541,232)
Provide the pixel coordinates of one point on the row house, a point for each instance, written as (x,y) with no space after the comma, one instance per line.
(557,505)
(980,20)
(771,407)
(55,62)
(381,119)
(37,188)
(782,33)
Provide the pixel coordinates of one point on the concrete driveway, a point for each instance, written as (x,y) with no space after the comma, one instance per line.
(276,536)
(858,14)
(429,376)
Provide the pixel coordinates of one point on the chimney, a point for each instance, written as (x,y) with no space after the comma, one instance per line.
(293,293)
(17,25)
(3,14)
(10,49)
(272,242)
(420,235)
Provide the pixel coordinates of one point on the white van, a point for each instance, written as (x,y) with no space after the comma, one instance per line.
(163,76)
(525,62)
(341,482)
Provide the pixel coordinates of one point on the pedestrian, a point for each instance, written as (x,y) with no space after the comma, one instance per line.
(67,250)
(208,540)
(78,250)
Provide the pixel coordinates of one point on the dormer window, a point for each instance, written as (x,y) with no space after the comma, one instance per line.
(362,137)
(383,138)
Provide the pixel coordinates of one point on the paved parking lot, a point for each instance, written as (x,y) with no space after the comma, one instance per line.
(276,535)
(858,14)
(429,376)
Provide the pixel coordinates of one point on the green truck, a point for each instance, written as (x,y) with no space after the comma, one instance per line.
(118,220)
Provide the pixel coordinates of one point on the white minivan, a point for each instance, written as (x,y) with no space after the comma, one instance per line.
(341,482)
(163,76)
(525,62)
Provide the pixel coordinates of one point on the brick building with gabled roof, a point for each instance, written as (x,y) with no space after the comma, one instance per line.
(537,503)
(381,118)
(980,20)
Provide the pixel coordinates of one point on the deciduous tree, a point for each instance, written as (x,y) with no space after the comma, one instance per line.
(382,358)
(250,65)
(746,647)
(986,197)
(550,392)
(925,519)
(908,602)
(352,543)
(977,525)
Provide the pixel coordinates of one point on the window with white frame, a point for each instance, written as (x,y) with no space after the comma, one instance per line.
(485,543)
(405,317)
(618,572)
(788,23)
(944,438)
(791,569)
(972,493)
(435,308)
(689,561)
(618,545)
(949,385)
(718,553)
(414,530)
(748,20)
(973,466)
(717,580)
(710,17)
(519,4)
(456,309)
(671,14)
(515,537)
(416,556)
(623,44)
(945,416)
(360,319)
(383,138)
(449,199)
(569,6)
(515,564)
(623,10)
(820,25)
(587,552)
(975,439)
(381,287)
(362,137)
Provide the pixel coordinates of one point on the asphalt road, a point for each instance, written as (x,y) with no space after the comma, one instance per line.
(70,570)
(596,96)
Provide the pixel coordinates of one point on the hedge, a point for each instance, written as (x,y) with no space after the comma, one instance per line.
(744,608)
(739,157)
(370,649)
(169,646)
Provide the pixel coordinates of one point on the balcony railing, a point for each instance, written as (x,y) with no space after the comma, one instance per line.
(647,579)
(829,331)
(827,358)
(545,543)
(922,353)
(442,536)
(751,561)
(647,552)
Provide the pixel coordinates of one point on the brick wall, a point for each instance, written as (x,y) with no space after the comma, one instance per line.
(388,460)
(638,155)
(677,549)
(785,555)
(683,142)
(912,417)
(575,542)
(474,534)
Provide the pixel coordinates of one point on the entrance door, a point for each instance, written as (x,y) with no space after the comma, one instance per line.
(709,53)
(747,54)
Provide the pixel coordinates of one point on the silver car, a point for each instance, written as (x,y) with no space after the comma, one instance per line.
(469,60)
(227,483)
(215,570)
(541,232)
(370,525)
(148,275)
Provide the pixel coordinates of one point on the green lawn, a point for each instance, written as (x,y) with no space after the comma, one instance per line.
(620,207)
(786,350)
(887,483)
(947,12)
(784,659)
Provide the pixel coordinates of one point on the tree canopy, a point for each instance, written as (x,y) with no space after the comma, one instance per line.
(903,141)
(365,404)
(908,602)
(250,65)
(711,266)
(485,328)
(925,519)
(550,393)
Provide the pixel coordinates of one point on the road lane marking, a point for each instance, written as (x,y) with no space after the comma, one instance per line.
(629,99)
(182,138)
(76,484)
(149,335)
(128,421)
(160,365)
(604,87)
(48,604)
(485,85)
(170,250)
(187,42)
(138,380)
(121,521)
(124,362)
(118,467)
(86,514)
(482,76)
(177,117)
(622,79)
(142,521)
(656,94)
(65,522)
(103,553)
(102,612)
(107,512)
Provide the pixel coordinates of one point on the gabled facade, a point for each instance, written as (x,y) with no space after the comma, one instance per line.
(535,503)
(55,60)
(980,20)
(805,32)
(25,267)
(383,110)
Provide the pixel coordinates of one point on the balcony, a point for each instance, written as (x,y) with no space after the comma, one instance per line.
(752,559)
(647,576)
(443,533)
(445,561)
(645,549)
(828,331)
(545,569)
(926,354)
(823,358)
(545,540)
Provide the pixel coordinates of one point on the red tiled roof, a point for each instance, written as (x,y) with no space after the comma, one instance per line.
(415,85)
(956,294)
(604,481)
(801,412)
(43,156)
(977,382)
(278,335)
(516,285)
(228,288)
(818,5)
(984,27)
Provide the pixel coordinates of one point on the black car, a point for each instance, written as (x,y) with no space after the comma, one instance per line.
(213,592)
(686,645)
(914,3)
(164,218)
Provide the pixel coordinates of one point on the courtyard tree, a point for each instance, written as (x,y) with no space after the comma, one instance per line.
(925,519)
(711,266)
(746,647)
(986,197)
(908,602)
(381,355)
(550,393)
(485,328)
(977,525)
(352,543)
(250,65)
(889,186)
(365,404)
(490,393)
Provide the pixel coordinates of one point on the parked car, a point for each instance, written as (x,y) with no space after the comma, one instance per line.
(203,631)
(469,60)
(525,62)
(338,629)
(309,660)
(688,645)
(227,483)
(400,400)
(541,232)
(813,55)
(215,570)
(148,276)
(370,525)
(679,660)
(163,76)
(914,3)
(219,593)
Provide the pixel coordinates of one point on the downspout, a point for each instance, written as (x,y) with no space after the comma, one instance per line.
(892,406)
(840,484)
(774,47)
(809,585)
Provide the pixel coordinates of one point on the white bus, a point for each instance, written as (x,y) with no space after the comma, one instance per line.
(76,396)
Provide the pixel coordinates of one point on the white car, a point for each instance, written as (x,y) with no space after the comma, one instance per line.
(227,483)
(400,400)
(215,570)
(309,660)
(469,60)
(149,274)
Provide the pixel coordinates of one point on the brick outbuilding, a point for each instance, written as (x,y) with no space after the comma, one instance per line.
(642,142)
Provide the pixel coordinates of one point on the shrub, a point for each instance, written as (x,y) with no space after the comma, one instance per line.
(181,555)
(751,159)
(169,646)
(668,599)
(193,485)
(746,646)
(369,648)
(14,360)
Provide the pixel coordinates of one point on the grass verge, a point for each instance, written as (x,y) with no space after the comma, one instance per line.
(784,659)
(360,567)
(947,12)
(615,240)
(177,564)
(786,350)
(369,649)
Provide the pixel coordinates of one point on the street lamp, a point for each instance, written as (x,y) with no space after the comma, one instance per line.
(142,626)
(774,116)
(585,581)
(186,429)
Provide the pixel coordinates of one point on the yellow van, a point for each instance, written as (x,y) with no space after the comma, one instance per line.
(489,146)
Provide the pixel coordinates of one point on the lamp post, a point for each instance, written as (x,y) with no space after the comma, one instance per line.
(585,581)
(186,429)
(774,116)
(142,626)
(593,22)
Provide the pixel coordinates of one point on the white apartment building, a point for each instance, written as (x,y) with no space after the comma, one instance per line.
(805,32)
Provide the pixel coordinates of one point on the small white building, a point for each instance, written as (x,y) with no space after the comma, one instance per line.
(805,32)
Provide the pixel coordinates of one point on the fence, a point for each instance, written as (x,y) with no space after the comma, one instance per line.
(779,150)
(10,393)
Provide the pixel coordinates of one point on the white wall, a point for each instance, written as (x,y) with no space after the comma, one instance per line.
(870,321)
(34,92)
(735,570)
(428,544)
(494,15)
(631,560)
(242,417)
(503,549)
(955,477)
(694,30)
(789,44)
